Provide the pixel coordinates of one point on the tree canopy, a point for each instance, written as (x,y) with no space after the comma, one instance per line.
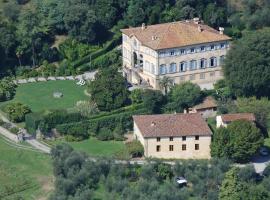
(247,65)
(108,90)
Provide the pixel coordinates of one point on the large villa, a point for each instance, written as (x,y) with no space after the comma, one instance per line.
(184,51)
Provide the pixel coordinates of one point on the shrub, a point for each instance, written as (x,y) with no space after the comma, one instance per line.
(135,149)
(16,111)
(14,130)
(105,134)
(7,89)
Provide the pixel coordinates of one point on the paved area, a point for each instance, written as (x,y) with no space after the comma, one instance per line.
(28,138)
(260,163)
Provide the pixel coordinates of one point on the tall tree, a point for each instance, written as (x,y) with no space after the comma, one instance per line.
(108,90)
(184,96)
(247,66)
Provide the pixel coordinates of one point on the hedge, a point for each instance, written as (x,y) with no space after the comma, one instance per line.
(46,121)
(83,64)
(109,122)
(32,121)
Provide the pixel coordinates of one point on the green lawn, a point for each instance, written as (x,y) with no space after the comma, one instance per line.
(96,147)
(24,173)
(39,96)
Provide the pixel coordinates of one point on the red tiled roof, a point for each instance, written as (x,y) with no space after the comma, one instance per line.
(175,34)
(208,102)
(167,125)
(238,116)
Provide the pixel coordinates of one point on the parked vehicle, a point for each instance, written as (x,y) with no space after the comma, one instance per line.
(181,181)
(264,151)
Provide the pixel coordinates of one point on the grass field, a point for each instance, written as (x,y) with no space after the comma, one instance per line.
(96,147)
(24,174)
(39,96)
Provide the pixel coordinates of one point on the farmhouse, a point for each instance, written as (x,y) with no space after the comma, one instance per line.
(184,51)
(178,136)
(208,108)
(224,120)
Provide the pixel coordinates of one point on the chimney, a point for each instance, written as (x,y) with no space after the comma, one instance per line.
(153,124)
(221,30)
(143,26)
(200,28)
(154,37)
(196,20)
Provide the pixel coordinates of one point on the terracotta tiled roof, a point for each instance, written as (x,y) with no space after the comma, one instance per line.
(175,34)
(167,125)
(208,102)
(238,116)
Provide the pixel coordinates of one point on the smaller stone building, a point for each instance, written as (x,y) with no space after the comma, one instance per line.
(224,120)
(208,108)
(176,136)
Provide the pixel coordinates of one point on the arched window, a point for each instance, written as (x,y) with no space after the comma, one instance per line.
(203,63)
(221,60)
(213,62)
(193,65)
(172,68)
(162,69)
(183,66)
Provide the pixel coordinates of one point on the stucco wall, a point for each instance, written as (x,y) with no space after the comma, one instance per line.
(177,153)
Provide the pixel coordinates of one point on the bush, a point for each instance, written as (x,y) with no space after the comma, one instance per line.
(135,149)
(7,89)
(105,134)
(14,130)
(16,111)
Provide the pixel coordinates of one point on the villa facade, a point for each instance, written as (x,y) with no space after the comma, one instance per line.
(183,51)
(173,136)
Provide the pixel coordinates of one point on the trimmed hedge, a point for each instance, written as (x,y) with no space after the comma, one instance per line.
(93,126)
(83,64)
(32,121)
(45,122)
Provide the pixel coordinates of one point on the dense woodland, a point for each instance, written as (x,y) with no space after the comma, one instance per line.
(30,30)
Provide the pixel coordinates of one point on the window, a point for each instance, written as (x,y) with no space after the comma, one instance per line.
(184,138)
(192,77)
(202,76)
(158,148)
(212,47)
(158,139)
(153,71)
(184,147)
(203,63)
(172,68)
(197,147)
(213,62)
(182,51)
(172,53)
(221,60)
(193,65)
(197,137)
(192,50)
(202,48)
(162,69)
(222,45)
(135,43)
(183,66)
(171,138)
(171,147)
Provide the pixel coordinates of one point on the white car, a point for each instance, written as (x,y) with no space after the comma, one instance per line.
(181,181)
